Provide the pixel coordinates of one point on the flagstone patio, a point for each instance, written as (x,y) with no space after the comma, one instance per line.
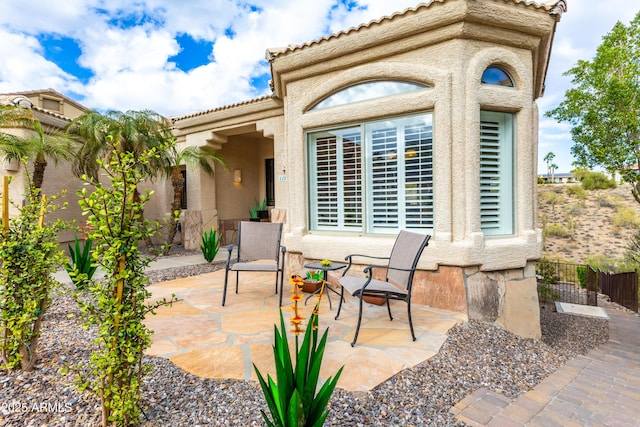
(212,341)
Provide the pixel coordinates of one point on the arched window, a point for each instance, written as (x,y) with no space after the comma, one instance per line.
(496,76)
(366,91)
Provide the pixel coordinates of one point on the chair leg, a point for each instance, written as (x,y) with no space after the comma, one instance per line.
(340,305)
(355,337)
(413,335)
(389,310)
(224,290)
(237,280)
(281,281)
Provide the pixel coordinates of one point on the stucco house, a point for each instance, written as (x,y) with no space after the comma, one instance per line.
(54,111)
(423,120)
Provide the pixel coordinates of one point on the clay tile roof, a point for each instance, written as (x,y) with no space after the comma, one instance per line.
(225,107)
(275,52)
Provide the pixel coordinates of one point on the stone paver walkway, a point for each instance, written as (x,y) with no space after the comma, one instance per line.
(212,341)
(601,388)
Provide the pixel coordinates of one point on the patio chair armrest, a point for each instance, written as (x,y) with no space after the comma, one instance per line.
(368,270)
(230,249)
(349,257)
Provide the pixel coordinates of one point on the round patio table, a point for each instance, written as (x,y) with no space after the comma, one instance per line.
(325,269)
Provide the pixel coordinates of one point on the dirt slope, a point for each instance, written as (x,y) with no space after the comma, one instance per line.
(594,217)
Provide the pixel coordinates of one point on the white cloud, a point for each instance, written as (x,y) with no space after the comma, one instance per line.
(23,64)
(132,69)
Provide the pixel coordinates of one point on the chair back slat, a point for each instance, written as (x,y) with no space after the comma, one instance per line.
(405,254)
(259,240)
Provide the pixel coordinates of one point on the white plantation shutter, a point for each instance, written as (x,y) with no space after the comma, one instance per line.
(418,157)
(383,178)
(351,180)
(326,182)
(398,172)
(336,182)
(496,173)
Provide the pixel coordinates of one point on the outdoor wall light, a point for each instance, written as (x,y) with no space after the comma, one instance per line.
(237,176)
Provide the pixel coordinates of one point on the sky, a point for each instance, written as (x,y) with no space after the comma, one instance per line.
(181,57)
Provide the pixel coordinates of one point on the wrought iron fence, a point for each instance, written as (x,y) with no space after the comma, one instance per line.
(572,283)
(580,284)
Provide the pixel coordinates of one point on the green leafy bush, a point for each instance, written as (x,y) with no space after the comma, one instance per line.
(547,271)
(117,306)
(557,230)
(581,272)
(546,293)
(81,266)
(210,244)
(577,191)
(626,217)
(551,197)
(597,181)
(30,256)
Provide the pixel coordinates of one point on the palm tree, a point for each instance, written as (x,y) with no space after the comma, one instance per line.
(133,132)
(52,144)
(549,159)
(13,147)
(201,157)
(553,168)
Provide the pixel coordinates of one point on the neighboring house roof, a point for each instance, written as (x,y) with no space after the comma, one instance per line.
(557,7)
(47,91)
(225,107)
(44,116)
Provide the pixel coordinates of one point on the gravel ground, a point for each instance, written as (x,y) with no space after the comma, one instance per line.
(475,355)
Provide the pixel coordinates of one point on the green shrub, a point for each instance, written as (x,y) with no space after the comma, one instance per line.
(117,306)
(597,181)
(626,217)
(546,293)
(30,256)
(557,230)
(551,198)
(547,271)
(581,272)
(577,191)
(210,244)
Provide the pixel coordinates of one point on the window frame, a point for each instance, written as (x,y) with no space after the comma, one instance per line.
(497,173)
(366,198)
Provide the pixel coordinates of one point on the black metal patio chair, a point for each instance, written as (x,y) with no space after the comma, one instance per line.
(400,269)
(258,250)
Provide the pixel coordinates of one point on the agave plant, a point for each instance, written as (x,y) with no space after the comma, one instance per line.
(81,268)
(292,397)
(210,244)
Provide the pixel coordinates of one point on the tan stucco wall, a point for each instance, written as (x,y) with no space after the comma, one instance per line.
(456,99)
(247,155)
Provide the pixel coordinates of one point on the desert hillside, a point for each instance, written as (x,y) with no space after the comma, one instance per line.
(579,224)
